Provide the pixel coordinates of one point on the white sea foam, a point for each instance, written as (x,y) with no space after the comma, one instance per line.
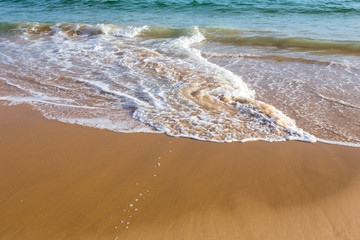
(20,100)
(232,84)
(339,101)
(67,29)
(115,80)
(348,144)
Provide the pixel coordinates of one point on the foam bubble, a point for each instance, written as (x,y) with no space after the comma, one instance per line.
(104,76)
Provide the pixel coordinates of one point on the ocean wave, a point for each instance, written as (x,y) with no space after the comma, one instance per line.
(221,35)
(168,80)
(80,73)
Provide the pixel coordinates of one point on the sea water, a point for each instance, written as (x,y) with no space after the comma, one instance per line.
(210,70)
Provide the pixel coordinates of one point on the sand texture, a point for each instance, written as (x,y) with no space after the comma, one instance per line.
(62,181)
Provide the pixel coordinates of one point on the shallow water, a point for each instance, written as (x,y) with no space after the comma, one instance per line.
(235,71)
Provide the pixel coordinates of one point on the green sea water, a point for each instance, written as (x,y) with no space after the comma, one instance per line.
(334,20)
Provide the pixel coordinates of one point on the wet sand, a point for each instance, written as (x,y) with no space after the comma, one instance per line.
(62,181)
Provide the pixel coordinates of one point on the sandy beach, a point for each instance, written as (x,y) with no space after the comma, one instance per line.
(63,181)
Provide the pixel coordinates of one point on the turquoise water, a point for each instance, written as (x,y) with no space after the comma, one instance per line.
(210,70)
(336,20)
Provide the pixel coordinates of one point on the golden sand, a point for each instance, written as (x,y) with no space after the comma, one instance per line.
(61,181)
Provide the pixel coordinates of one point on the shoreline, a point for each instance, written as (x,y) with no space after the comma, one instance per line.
(63,181)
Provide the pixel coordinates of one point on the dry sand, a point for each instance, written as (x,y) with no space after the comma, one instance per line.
(61,181)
